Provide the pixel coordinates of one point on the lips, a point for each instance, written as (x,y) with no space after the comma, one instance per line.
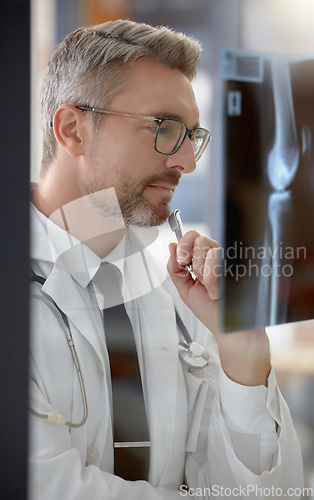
(167,181)
(166,187)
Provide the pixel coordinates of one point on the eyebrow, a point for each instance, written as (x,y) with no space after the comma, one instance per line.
(174,116)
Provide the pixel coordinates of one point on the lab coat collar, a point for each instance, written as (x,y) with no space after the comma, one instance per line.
(62,249)
(50,243)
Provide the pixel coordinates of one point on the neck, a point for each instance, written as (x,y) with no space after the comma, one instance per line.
(100,229)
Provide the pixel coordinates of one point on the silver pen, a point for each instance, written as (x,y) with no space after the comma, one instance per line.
(176,225)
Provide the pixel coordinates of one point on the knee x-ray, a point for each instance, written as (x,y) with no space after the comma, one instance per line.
(267,259)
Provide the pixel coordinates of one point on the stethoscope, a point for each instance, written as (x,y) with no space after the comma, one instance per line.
(191,353)
(54,417)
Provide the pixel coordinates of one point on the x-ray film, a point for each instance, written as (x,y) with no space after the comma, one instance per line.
(267,261)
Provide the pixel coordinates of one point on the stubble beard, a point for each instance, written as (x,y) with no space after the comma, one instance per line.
(137,210)
(132,204)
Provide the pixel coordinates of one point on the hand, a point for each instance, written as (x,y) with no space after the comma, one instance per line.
(245,356)
(199,295)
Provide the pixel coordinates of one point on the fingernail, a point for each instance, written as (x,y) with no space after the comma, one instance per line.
(180,257)
(214,296)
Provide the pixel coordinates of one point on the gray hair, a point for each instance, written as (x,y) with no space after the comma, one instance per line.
(90,65)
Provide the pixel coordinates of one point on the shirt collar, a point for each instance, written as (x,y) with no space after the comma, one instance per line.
(62,249)
(67,253)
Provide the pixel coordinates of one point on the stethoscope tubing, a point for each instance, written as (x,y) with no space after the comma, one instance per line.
(191,353)
(63,321)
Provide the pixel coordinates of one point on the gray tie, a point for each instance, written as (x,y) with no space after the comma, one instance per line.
(131,436)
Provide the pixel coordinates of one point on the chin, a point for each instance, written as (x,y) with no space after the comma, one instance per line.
(148,216)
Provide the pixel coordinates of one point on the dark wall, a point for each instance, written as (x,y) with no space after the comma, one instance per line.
(14,187)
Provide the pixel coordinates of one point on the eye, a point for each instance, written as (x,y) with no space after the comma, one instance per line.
(163,130)
(154,128)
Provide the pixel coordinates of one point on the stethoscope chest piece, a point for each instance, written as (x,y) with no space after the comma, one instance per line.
(193,354)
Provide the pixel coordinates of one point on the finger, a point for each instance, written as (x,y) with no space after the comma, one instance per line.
(193,293)
(201,246)
(191,244)
(211,273)
(185,247)
(179,274)
(205,264)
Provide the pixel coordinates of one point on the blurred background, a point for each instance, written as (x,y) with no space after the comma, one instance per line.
(273,26)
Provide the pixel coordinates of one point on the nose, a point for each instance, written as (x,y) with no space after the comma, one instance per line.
(183,159)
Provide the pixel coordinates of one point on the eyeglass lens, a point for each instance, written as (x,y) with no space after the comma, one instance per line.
(171,133)
(169,136)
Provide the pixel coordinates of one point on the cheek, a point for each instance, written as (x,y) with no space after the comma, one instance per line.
(130,146)
(117,159)
(132,166)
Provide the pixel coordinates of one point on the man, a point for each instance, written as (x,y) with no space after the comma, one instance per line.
(121,126)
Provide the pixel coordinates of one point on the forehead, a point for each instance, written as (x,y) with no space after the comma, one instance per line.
(156,89)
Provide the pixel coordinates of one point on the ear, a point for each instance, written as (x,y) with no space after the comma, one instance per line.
(68,126)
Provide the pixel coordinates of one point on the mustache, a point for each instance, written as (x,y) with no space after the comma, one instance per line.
(171,177)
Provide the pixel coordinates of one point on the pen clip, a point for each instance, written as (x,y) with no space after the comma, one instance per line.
(176,224)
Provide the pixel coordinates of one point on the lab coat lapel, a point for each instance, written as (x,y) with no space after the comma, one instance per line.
(75,302)
(161,358)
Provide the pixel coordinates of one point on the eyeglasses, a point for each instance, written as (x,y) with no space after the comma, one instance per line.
(169,132)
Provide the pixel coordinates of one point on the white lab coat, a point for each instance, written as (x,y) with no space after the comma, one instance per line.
(190,445)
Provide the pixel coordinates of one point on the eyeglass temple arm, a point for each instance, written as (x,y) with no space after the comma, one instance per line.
(119,113)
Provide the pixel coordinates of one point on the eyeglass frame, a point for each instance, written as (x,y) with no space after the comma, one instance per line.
(188,132)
